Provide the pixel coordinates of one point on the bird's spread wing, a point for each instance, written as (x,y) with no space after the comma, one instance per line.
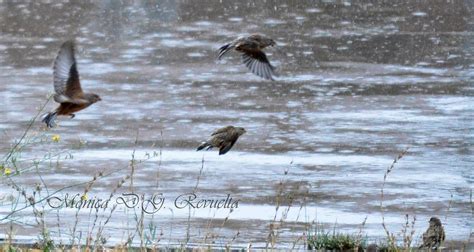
(228,145)
(258,63)
(221,130)
(66,77)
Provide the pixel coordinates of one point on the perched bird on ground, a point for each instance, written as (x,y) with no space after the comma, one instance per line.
(223,138)
(252,55)
(434,235)
(67,88)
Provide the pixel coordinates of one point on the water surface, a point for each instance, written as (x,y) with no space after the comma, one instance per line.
(359,82)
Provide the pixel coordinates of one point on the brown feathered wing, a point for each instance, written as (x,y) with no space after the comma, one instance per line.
(66,77)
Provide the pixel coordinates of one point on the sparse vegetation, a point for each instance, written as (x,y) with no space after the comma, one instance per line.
(316,239)
(14,164)
(332,240)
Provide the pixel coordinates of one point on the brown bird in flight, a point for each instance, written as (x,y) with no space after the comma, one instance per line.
(67,88)
(252,55)
(223,138)
(434,235)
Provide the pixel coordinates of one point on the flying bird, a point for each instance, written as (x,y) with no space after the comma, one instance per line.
(434,235)
(252,55)
(67,87)
(223,138)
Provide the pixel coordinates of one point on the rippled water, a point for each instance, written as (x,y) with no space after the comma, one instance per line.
(358,83)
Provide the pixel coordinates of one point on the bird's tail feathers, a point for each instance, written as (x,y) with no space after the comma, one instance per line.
(204,145)
(50,119)
(224,49)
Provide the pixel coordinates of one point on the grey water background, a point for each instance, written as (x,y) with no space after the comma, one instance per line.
(359,82)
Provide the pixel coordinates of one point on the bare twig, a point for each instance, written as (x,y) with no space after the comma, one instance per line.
(390,236)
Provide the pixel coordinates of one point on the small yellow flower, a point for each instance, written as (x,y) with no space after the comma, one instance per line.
(7,171)
(55,138)
(84,197)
